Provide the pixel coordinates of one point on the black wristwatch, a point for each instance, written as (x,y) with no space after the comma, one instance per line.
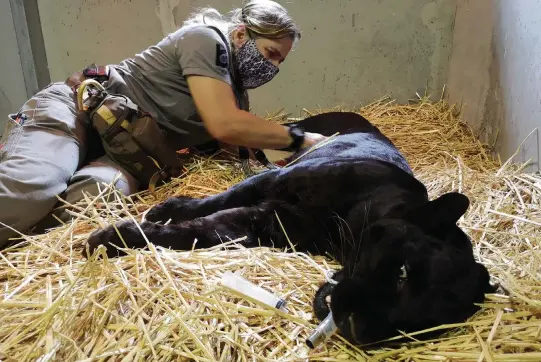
(297,134)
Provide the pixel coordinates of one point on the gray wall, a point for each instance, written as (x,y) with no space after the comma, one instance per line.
(352,51)
(495,70)
(12,86)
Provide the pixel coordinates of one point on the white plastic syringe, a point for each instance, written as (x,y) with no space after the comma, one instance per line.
(241,285)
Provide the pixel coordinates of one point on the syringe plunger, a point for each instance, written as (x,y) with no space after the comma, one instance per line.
(240,284)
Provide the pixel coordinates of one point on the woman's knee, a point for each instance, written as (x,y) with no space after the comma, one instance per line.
(102,171)
(87,181)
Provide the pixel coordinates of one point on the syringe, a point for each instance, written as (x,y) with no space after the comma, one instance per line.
(238,283)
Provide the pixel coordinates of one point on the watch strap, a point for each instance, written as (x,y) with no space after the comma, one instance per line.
(297,134)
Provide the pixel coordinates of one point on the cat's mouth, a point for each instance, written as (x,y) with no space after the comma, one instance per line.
(348,323)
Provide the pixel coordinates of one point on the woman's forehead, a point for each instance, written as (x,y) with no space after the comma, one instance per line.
(283,45)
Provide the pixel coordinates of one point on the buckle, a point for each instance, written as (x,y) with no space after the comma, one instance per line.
(162,175)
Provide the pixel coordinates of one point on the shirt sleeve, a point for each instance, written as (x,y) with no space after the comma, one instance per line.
(201,51)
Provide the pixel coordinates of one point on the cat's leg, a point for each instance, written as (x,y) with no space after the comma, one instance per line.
(257,223)
(250,192)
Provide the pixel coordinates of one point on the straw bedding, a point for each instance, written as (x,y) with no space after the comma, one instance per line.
(165,305)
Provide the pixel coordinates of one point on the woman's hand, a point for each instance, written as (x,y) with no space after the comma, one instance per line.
(311,139)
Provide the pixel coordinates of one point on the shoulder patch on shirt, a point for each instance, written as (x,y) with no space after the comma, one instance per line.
(222,60)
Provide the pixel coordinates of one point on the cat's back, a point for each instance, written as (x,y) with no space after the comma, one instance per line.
(358,140)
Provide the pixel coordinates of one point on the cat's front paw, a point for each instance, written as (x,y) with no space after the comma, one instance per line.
(109,238)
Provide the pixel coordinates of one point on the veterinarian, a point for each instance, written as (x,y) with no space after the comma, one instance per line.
(192,84)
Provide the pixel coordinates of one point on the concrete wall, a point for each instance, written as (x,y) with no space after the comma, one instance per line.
(12,86)
(352,51)
(495,70)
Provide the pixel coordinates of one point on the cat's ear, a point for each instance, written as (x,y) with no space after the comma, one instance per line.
(440,213)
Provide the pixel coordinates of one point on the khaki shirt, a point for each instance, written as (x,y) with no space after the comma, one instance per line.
(155,79)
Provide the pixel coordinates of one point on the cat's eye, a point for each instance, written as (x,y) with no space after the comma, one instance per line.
(403,272)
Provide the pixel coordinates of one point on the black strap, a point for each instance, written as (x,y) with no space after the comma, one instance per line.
(260,156)
(116,127)
(244,155)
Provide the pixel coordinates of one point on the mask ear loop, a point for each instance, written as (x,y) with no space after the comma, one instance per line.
(252,35)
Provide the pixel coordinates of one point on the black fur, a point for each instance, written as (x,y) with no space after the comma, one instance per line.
(357,199)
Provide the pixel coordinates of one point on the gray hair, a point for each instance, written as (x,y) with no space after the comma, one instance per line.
(264,18)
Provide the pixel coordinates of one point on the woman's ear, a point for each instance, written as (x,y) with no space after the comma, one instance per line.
(239,36)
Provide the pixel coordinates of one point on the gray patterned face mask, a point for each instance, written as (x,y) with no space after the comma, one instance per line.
(253,68)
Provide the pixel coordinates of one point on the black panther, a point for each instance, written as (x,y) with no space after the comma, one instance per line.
(407,266)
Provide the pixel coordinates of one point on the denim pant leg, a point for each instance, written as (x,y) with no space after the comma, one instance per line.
(41,149)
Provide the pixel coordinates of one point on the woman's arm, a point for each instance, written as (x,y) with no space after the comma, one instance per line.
(216,104)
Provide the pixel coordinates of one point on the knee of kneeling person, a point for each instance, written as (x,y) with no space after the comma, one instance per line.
(123,182)
(88,178)
(93,185)
(85,183)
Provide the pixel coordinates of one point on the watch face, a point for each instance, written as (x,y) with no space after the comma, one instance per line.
(297,132)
